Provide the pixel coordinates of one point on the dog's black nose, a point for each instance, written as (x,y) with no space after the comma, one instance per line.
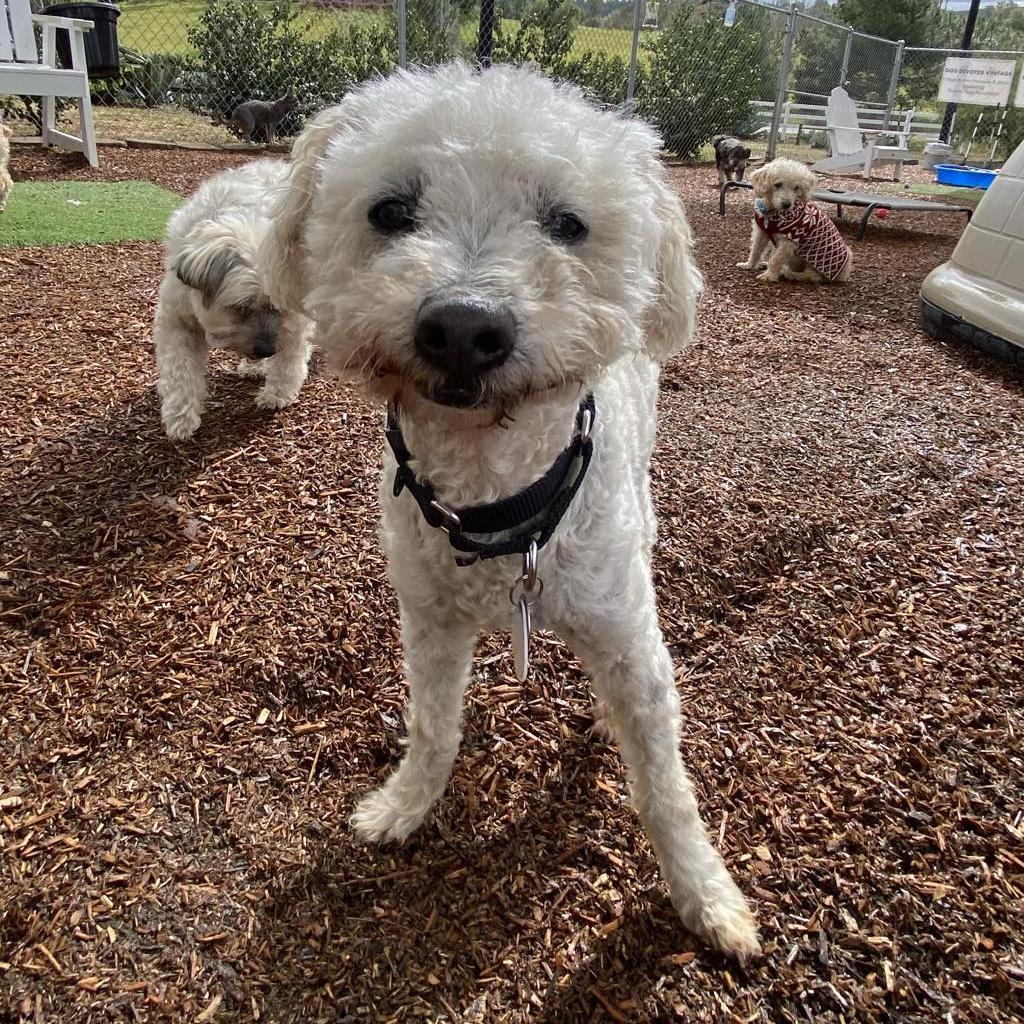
(263,348)
(786,204)
(464,337)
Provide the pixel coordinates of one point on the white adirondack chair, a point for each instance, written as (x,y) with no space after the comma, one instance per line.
(853,146)
(23,72)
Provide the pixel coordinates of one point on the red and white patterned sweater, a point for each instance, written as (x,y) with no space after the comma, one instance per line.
(811,230)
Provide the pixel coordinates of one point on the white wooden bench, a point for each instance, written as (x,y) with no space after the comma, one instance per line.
(800,119)
(26,72)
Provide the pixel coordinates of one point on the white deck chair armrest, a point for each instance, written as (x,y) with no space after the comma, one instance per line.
(71,24)
(867,131)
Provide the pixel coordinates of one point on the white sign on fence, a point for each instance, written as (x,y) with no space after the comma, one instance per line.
(1019,101)
(975,80)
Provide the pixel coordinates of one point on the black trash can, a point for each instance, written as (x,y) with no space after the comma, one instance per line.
(101,55)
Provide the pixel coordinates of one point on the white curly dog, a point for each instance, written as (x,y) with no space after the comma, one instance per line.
(482,250)
(212,296)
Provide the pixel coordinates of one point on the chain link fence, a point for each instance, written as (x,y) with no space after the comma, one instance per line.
(695,68)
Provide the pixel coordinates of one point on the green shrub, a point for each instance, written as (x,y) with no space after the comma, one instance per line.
(146,80)
(247,51)
(699,81)
(544,37)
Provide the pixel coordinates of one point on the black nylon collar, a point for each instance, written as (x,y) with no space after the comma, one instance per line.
(508,526)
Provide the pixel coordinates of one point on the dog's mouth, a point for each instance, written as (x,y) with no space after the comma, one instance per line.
(456,396)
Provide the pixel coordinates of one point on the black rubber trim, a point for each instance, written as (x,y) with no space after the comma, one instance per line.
(943,326)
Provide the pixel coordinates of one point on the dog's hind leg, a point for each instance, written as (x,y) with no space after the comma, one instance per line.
(286,370)
(438,656)
(807,274)
(638,686)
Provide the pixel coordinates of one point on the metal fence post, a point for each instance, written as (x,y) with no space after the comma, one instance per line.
(780,95)
(897,67)
(638,20)
(401,33)
(845,70)
(485,36)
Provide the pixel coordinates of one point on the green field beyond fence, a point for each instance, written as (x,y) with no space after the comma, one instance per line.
(161,26)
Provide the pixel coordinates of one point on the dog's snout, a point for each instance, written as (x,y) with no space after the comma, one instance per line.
(464,336)
(264,348)
(786,204)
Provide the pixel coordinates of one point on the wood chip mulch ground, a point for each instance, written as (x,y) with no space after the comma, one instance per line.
(199,674)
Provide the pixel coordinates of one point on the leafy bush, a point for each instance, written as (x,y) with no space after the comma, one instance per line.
(247,50)
(544,37)
(699,81)
(146,80)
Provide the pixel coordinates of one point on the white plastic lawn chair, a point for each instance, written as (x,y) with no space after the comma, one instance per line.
(853,146)
(23,72)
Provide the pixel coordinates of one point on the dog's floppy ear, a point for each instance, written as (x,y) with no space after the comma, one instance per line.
(745,153)
(759,179)
(673,316)
(205,265)
(282,255)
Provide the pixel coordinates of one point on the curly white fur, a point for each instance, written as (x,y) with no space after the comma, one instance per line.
(212,296)
(488,157)
(780,184)
(6,181)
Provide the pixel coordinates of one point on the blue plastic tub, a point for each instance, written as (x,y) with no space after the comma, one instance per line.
(965,177)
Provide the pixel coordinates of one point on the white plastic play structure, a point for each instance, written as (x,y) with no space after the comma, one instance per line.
(852,146)
(26,72)
(978,296)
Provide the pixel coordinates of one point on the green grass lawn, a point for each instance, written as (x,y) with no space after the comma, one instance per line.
(76,212)
(161,26)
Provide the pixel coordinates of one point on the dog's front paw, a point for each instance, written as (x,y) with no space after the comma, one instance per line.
(745,265)
(725,921)
(270,398)
(602,728)
(250,368)
(181,426)
(767,276)
(382,815)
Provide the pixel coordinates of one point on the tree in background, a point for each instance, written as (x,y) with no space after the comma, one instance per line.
(916,22)
(545,37)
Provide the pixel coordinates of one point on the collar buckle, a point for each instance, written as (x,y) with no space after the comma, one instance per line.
(451,524)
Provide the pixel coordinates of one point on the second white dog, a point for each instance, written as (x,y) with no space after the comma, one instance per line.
(483,251)
(212,296)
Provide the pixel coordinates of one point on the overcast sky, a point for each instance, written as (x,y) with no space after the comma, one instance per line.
(962,5)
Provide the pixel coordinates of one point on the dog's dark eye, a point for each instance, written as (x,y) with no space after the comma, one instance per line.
(393,216)
(567,228)
(778,184)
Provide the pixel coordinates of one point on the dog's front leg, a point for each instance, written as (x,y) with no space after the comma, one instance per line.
(758,244)
(638,688)
(438,656)
(181,356)
(286,369)
(778,261)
